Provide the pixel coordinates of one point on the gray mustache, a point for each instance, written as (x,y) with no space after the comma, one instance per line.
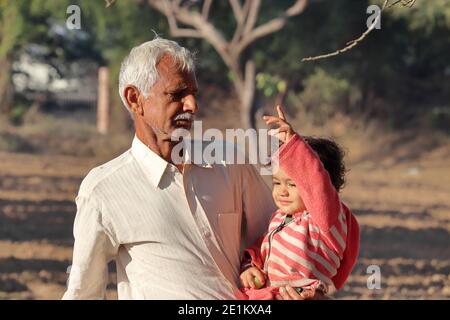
(184,116)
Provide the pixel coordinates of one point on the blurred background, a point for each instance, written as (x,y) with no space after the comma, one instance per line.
(386,101)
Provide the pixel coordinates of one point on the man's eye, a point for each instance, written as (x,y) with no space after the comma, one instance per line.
(291,185)
(175,95)
(276,183)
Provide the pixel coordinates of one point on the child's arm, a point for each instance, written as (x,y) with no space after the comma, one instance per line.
(303,165)
(252,265)
(319,195)
(252,256)
(252,277)
(337,224)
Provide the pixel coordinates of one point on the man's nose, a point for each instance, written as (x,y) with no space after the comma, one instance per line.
(190,104)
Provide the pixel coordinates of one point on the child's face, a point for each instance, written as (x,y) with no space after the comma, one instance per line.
(285,193)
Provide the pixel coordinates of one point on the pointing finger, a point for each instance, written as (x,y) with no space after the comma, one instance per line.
(280,113)
(270,119)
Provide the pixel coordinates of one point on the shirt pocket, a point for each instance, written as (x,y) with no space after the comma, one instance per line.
(230,234)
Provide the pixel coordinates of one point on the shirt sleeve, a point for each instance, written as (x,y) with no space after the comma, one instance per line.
(94,247)
(258,205)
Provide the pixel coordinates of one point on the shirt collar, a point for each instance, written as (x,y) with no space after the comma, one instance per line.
(154,164)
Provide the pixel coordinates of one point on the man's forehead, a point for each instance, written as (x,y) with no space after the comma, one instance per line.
(169,71)
(166,62)
(179,81)
(168,66)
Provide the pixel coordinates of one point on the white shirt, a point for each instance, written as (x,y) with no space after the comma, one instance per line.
(172,235)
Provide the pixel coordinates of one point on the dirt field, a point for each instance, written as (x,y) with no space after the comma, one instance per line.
(403,208)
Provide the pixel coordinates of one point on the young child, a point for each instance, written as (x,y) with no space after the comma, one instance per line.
(313,239)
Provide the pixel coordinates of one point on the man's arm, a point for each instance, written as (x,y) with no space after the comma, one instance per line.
(94,247)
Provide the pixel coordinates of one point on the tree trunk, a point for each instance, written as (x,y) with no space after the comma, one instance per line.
(6,87)
(245,88)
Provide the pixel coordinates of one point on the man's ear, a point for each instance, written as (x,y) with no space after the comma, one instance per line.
(133,99)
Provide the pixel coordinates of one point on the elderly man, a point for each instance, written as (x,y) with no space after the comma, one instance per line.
(175,231)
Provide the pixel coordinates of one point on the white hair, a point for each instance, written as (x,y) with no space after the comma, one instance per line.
(139,67)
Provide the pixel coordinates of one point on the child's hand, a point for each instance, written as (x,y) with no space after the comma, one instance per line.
(248,278)
(285,131)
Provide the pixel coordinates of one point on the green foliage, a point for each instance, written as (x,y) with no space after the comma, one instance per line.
(25,21)
(11,26)
(105,37)
(230,76)
(396,72)
(324,95)
(424,16)
(270,84)
(17,113)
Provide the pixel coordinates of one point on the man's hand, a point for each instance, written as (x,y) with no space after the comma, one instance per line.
(248,278)
(284,132)
(289,293)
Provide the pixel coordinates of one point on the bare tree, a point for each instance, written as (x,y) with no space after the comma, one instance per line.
(185,22)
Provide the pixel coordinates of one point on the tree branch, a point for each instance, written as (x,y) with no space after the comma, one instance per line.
(201,28)
(405,3)
(351,44)
(252,16)
(240,23)
(109,3)
(271,26)
(237,10)
(169,9)
(205,9)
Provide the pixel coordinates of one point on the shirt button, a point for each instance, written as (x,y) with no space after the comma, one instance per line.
(207,234)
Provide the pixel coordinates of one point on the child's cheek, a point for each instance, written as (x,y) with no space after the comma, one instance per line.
(274,192)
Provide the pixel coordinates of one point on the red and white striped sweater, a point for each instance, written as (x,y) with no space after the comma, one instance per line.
(319,245)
